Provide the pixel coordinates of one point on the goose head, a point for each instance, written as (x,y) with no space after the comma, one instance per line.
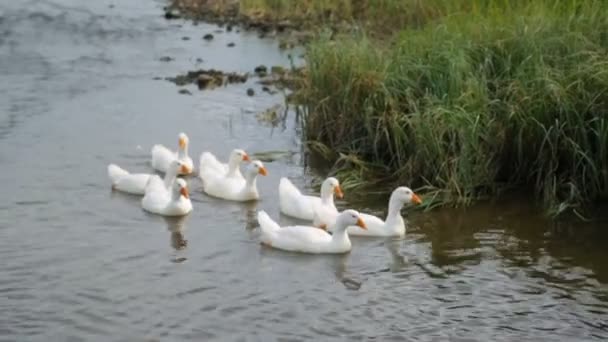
(180,188)
(179,167)
(256,168)
(183,141)
(404,195)
(347,218)
(238,155)
(331,186)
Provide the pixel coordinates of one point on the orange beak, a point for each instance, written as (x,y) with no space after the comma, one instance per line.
(263,171)
(416,199)
(246,158)
(184,192)
(182,143)
(338,191)
(323,226)
(361,224)
(184,169)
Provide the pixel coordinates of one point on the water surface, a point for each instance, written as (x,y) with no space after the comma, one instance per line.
(81,263)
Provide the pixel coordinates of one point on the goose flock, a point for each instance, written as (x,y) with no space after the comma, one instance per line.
(329,229)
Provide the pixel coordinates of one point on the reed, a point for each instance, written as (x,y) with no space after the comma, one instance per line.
(477,97)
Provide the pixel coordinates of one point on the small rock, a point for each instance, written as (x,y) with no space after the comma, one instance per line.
(238,31)
(237,78)
(172,14)
(229,28)
(199,60)
(208,36)
(157,78)
(204,81)
(208,78)
(185,38)
(250,92)
(260,69)
(185,92)
(165,59)
(266,80)
(268,90)
(111,6)
(231,44)
(180,80)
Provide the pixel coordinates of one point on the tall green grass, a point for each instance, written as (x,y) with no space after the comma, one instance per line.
(492,95)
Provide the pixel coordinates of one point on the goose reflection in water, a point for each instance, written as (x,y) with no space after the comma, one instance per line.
(176,226)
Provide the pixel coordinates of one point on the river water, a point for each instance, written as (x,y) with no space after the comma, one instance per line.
(81,263)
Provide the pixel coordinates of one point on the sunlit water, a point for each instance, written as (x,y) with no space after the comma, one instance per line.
(80,263)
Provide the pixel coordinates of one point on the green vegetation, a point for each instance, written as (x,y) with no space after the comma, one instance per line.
(469,98)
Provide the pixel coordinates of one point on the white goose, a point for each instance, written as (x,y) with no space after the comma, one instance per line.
(135,183)
(210,167)
(293,203)
(236,189)
(173,202)
(307,239)
(393,225)
(162,156)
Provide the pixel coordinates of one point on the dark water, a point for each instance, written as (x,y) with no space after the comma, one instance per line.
(80,263)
